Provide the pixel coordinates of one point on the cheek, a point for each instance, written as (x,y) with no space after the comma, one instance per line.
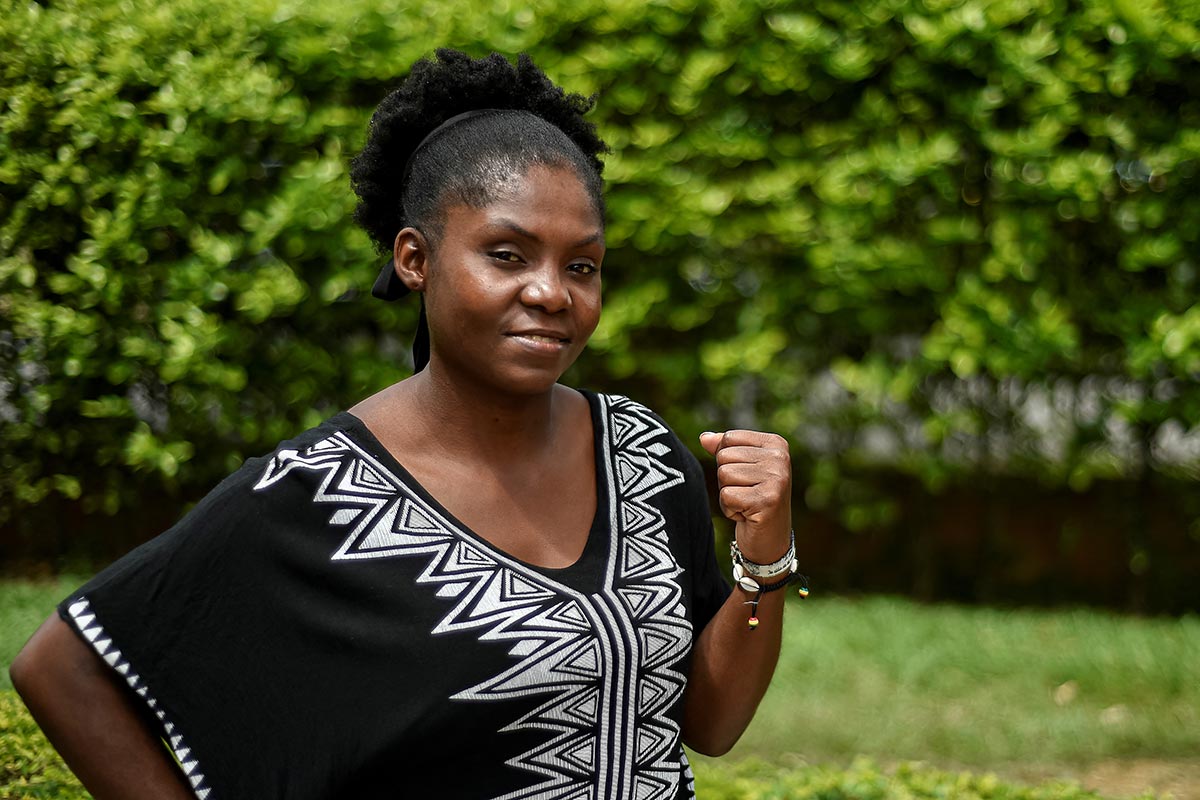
(589,308)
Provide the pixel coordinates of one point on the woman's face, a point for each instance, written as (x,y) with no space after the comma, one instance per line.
(512,289)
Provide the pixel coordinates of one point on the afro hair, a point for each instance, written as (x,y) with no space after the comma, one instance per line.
(402,179)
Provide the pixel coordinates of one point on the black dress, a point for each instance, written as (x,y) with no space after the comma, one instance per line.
(320,627)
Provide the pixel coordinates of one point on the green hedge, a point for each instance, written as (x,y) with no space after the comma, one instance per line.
(951,237)
(29,769)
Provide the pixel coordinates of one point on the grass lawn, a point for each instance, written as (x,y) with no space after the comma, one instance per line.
(977,686)
(23,606)
(1028,694)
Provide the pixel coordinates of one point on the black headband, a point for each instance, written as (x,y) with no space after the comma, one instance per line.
(388,285)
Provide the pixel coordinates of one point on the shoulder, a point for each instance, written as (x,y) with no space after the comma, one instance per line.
(311,455)
(229,524)
(241,490)
(644,419)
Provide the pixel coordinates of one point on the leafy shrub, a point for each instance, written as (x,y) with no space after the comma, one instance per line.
(955,237)
(29,766)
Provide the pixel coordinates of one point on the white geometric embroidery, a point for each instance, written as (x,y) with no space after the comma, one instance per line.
(606,663)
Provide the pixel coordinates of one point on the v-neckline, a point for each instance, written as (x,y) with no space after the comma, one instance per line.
(595,549)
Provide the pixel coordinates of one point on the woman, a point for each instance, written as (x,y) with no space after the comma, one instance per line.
(476,581)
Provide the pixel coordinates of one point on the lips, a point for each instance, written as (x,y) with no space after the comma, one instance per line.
(545,336)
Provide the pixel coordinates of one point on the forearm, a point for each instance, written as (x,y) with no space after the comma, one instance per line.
(91,720)
(733,661)
(732,666)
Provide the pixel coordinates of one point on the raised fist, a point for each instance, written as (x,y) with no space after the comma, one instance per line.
(754,477)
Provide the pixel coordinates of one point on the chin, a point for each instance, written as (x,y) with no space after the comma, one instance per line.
(509,379)
(530,386)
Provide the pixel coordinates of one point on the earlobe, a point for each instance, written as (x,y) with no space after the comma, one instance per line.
(410,258)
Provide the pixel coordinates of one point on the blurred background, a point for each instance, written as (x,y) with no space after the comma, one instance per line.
(949,248)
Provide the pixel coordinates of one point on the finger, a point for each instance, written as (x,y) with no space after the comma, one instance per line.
(748,475)
(737,501)
(711,442)
(744,438)
(754,496)
(749,455)
(752,503)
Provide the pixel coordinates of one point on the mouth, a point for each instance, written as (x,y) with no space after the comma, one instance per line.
(546,338)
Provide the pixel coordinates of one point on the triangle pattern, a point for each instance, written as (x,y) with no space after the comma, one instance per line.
(368,479)
(629,473)
(584,661)
(585,708)
(635,561)
(653,477)
(414,519)
(468,558)
(581,753)
(636,517)
(651,742)
(636,598)
(646,787)
(565,616)
(642,559)
(659,643)
(654,694)
(518,588)
(331,444)
(651,597)
(494,599)
(624,428)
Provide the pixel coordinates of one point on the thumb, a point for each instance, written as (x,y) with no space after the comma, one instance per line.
(711,442)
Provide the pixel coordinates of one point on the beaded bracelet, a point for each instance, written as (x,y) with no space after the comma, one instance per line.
(794,577)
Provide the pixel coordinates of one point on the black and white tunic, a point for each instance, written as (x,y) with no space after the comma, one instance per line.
(320,627)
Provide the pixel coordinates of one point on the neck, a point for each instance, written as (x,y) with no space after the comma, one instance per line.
(504,428)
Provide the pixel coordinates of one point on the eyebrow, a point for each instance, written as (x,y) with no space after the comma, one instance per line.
(508,224)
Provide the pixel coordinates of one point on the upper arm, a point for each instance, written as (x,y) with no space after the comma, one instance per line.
(53,653)
(91,719)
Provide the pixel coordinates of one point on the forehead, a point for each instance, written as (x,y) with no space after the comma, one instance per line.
(547,200)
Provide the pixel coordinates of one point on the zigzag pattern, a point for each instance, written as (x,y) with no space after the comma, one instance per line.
(563,647)
(646,583)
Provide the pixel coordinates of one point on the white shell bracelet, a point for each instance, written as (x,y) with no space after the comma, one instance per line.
(742,566)
(759,579)
(753,585)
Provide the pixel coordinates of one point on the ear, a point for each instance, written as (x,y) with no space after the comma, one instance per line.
(410,258)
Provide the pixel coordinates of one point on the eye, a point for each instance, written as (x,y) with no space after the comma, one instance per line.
(507,256)
(584,268)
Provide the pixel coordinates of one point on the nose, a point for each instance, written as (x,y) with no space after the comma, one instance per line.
(546,289)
